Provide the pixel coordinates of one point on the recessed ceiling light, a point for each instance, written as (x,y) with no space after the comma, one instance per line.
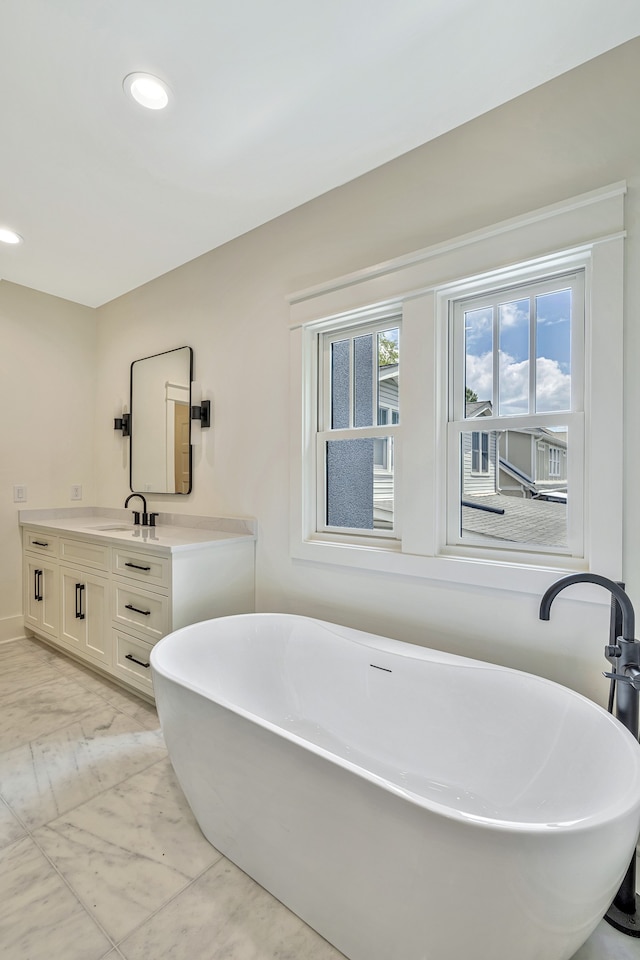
(9,236)
(146,90)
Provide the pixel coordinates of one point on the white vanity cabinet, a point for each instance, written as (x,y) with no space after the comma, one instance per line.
(107,597)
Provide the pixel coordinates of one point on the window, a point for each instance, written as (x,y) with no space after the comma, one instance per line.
(479,452)
(359,379)
(484,466)
(554,462)
(515,362)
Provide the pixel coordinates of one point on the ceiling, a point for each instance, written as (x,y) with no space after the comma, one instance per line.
(274,103)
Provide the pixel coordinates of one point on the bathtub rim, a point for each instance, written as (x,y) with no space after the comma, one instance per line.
(618,809)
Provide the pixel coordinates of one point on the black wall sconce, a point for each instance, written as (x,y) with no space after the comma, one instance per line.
(202,412)
(123,423)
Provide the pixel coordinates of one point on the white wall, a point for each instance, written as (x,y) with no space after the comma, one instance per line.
(570,136)
(47,393)
(575,134)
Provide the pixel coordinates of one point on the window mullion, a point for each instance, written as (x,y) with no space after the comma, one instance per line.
(533,352)
(352,377)
(495,396)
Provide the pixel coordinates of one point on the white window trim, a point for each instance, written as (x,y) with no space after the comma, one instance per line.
(585,231)
(573,418)
(326,432)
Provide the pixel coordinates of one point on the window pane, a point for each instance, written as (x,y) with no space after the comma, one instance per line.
(340,384)
(478,346)
(363,397)
(360,479)
(553,351)
(514,486)
(484,447)
(513,327)
(388,376)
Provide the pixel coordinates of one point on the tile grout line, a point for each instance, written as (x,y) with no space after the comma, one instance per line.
(90,711)
(29,836)
(28,832)
(115,943)
(170,899)
(76,806)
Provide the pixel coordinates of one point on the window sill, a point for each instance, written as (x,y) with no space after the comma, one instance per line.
(496,574)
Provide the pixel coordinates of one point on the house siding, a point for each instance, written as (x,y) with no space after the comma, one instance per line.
(478,484)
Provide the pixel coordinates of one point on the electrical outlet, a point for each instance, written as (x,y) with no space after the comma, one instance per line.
(19,493)
(76,491)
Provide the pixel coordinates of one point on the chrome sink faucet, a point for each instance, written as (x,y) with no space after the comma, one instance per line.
(136,513)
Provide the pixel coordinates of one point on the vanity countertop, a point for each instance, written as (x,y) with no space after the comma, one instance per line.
(172,533)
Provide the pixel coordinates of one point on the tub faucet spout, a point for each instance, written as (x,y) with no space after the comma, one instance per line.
(136,513)
(625,652)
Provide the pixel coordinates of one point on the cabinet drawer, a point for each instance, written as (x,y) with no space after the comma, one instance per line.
(141,566)
(86,553)
(132,660)
(140,610)
(41,543)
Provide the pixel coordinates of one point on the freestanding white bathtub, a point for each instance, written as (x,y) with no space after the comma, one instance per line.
(407,804)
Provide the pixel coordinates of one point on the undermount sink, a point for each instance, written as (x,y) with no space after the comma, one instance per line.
(112,526)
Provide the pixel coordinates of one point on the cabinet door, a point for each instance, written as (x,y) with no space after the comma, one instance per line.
(41,608)
(84,614)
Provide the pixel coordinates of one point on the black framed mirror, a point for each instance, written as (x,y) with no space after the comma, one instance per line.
(160,455)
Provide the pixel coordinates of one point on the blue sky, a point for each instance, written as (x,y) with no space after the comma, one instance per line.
(553,353)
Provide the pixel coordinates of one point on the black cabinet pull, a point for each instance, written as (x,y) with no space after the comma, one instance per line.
(37,585)
(129,606)
(128,656)
(79,590)
(39,543)
(136,566)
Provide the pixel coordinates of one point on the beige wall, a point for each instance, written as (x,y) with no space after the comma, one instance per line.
(572,135)
(47,392)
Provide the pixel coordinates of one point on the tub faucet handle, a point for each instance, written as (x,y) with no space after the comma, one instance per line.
(632,678)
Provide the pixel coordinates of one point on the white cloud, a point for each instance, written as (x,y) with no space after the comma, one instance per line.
(514,386)
(514,314)
(553,387)
(480,374)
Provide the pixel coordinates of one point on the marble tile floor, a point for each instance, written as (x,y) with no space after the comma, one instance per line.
(100,857)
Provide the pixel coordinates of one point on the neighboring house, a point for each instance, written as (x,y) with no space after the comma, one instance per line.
(388,412)
(529,463)
(533,463)
(479,454)
(355,500)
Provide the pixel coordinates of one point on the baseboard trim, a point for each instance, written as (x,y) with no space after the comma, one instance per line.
(11,628)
